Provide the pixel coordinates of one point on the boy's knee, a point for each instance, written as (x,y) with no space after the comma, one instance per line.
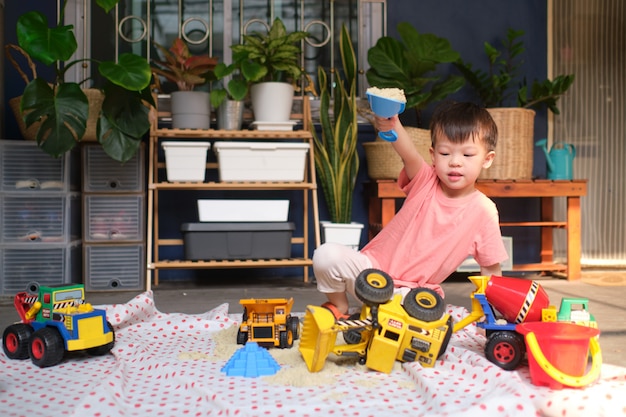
(325,256)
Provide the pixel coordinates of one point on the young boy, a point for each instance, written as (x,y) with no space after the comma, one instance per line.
(443,219)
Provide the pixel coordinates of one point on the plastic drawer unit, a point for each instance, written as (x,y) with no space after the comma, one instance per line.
(40,217)
(114,267)
(103,175)
(25,167)
(45,264)
(114,218)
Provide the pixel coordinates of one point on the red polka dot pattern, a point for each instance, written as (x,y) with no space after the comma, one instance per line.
(144,376)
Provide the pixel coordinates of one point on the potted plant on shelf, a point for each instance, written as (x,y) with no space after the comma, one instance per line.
(190,109)
(270,62)
(59,113)
(502,85)
(335,146)
(230,89)
(410,64)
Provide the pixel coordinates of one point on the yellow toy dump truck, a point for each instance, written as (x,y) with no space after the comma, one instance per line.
(268,322)
(385,331)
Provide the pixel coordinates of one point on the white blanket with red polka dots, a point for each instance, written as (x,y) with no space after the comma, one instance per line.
(169,365)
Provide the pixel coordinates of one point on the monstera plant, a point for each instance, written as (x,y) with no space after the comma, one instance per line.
(60,109)
(412,63)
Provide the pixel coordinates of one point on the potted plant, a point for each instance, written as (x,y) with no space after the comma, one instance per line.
(270,62)
(190,109)
(230,89)
(59,111)
(508,97)
(336,156)
(410,64)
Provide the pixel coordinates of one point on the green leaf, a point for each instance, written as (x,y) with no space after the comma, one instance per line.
(42,43)
(63,114)
(107,5)
(131,72)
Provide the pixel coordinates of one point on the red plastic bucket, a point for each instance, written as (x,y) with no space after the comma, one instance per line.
(558,352)
(517,299)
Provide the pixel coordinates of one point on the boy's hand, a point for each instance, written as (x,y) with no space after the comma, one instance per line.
(385,124)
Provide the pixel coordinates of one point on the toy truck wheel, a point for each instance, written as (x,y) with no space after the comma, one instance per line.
(505,349)
(446,339)
(285,339)
(15,341)
(424,304)
(353,336)
(293,324)
(104,349)
(373,287)
(46,347)
(242,337)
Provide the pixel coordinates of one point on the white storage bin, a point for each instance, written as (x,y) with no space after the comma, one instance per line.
(39,217)
(186,161)
(215,210)
(261,161)
(114,218)
(114,267)
(46,264)
(103,174)
(25,167)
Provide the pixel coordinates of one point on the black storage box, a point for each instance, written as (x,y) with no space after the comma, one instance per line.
(241,240)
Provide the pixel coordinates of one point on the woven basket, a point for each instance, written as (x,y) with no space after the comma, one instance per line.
(95,98)
(382,160)
(514,152)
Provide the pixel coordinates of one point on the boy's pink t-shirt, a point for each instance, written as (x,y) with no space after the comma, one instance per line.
(431,235)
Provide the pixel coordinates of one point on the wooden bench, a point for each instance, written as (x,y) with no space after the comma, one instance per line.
(384,193)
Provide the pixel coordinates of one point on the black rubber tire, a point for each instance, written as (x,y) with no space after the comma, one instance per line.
(353,336)
(46,347)
(373,287)
(506,349)
(104,349)
(15,340)
(424,304)
(285,339)
(446,338)
(242,337)
(293,324)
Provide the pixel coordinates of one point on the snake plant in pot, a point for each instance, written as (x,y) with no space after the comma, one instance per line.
(59,112)
(336,156)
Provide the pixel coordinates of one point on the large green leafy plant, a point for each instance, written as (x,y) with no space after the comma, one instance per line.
(271,56)
(336,156)
(501,84)
(411,64)
(62,108)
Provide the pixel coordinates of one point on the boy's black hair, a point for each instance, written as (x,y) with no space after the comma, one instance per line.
(462,121)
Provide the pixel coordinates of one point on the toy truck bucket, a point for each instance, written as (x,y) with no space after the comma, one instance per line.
(318,337)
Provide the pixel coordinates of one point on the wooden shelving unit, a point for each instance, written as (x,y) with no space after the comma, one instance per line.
(308,187)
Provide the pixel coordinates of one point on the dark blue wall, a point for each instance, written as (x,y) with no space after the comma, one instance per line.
(467,25)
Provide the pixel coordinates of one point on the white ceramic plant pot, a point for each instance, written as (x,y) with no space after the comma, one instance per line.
(272,101)
(348,234)
(191,110)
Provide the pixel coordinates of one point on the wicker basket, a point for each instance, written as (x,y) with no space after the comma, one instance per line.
(382,160)
(94,97)
(514,152)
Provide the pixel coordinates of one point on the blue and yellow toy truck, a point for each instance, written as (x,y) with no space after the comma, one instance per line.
(55,320)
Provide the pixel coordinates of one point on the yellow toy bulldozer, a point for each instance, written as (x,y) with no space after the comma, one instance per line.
(385,331)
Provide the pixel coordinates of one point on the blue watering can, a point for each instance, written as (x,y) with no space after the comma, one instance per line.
(385,107)
(560,159)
